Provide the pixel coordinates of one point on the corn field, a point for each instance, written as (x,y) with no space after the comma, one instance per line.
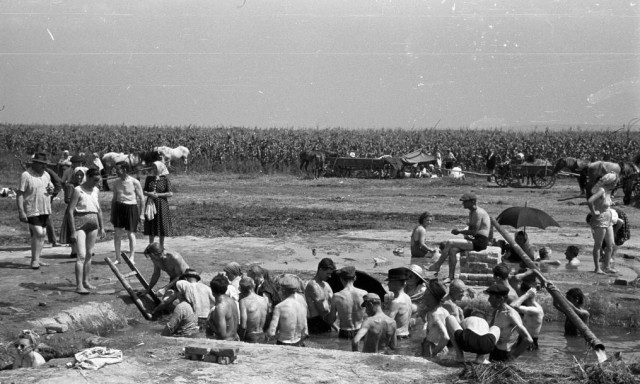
(277,149)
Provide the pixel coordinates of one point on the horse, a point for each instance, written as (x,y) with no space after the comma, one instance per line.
(169,154)
(627,175)
(110,159)
(314,158)
(574,165)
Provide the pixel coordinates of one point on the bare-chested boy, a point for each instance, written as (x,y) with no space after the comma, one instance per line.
(126,209)
(501,274)
(289,321)
(450,302)
(253,313)
(532,313)
(318,295)
(400,307)
(378,330)
(473,335)
(510,324)
(476,237)
(224,318)
(436,339)
(347,305)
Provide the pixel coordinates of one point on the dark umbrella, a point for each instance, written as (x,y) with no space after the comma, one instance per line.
(526,217)
(363,281)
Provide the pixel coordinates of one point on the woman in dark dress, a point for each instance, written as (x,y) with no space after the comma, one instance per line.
(157,188)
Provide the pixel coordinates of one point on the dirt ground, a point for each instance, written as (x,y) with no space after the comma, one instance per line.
(360,220)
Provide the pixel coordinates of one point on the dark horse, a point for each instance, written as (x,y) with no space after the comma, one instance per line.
(314,158)
(627,175)
(574,165)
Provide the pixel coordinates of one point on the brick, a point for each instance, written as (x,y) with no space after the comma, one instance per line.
(224,352)
(621,282)
(196,350)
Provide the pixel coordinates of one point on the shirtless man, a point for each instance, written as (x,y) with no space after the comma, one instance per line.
(419,247)
(532,313)
(378,330)
(473,335)
(318,295)
(170,262)
(126,209)
(476,238)
(501,277)
(253,313)
(436,339)
(510,324)
(456,293)
(400,308)
(289,321)
(347,305)
(224,318)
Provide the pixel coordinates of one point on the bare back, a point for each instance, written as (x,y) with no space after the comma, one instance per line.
(348,304)
(289,321)
(224,319)
(380,333)
(253,313)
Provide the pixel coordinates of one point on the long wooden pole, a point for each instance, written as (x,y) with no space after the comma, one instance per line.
(562,302)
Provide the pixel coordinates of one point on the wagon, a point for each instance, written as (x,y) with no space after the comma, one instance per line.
(361,167)
(508,174)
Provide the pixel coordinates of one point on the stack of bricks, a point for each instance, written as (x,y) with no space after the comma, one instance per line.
(222,356)
(476,268)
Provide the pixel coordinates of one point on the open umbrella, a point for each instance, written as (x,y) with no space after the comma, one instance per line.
(363,281)
(526,217)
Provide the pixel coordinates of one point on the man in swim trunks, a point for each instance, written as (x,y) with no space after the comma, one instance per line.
(224,318)
(419,247)
(475,238)
(126,209)
(318,295)
(170,262)
(289,321)
(400,306)
(510,324)
(253,313)
(473,335)
(378,330)
(347,305)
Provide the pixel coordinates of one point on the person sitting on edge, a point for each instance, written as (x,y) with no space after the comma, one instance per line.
(253,313)
(170,262)
(501,277)
(572,257)
(289,320)
(475,238)
(183,321)
(575,297)
(473,335)
(318,295)
(419,247)
(347,305)
(27,356)
(436,339)
(456,293)
(399,303)
(378,329)
(510,324)
(224,318)
(545,257)
(532,313)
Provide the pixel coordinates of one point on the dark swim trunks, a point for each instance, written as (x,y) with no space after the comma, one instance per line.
(500,355)
(298,344)
(470,341)
(38,221)
(347,334)
(317,325)
(480,243)
(255,338)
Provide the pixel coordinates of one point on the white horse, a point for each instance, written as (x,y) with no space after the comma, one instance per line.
(169,154)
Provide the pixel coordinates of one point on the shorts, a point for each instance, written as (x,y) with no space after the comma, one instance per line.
(480,243)
(347,333)
(603,220)
(299,343)
(255,338)
(318,325)
(38,221)
(86,221)
(125,216)
(500,355)
(470,341)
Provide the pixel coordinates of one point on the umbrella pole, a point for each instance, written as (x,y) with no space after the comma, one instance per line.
(562,302)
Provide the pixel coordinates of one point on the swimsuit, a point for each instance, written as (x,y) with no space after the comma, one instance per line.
(603,220)
(254,337)
(318,325)
(500,355)
(470,341)
(480,242)
(298,343)
(347,333)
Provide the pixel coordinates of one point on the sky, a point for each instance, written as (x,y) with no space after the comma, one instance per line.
(329,63)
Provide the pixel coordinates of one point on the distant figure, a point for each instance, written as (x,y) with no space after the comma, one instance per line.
(318,295)
(289,321)
(224,318)
(346,305)
(253,313)
(545,257)
(378,330)
(419,246)
(400,306)
(449,160)
(27,356)
(572,257)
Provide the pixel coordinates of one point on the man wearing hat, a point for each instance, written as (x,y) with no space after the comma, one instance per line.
(202,296)
(318,294)
(378,330)
(400,307)
(347,305)
(510,324)
(436,339)
(289,320)
(476,237)
(33,198)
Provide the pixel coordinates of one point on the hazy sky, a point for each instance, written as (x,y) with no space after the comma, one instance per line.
(325,63)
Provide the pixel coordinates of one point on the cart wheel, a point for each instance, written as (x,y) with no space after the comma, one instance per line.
(544,179)
(503,180)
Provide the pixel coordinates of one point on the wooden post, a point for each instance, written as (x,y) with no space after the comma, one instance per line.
(562,302)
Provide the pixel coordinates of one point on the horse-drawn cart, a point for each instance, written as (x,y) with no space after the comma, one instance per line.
(541,176)
(361,167)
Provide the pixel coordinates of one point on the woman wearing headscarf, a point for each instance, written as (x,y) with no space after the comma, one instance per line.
(183,321)
(157,188)
(601,221)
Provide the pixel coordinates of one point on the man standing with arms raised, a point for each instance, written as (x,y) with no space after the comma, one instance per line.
(476,237)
